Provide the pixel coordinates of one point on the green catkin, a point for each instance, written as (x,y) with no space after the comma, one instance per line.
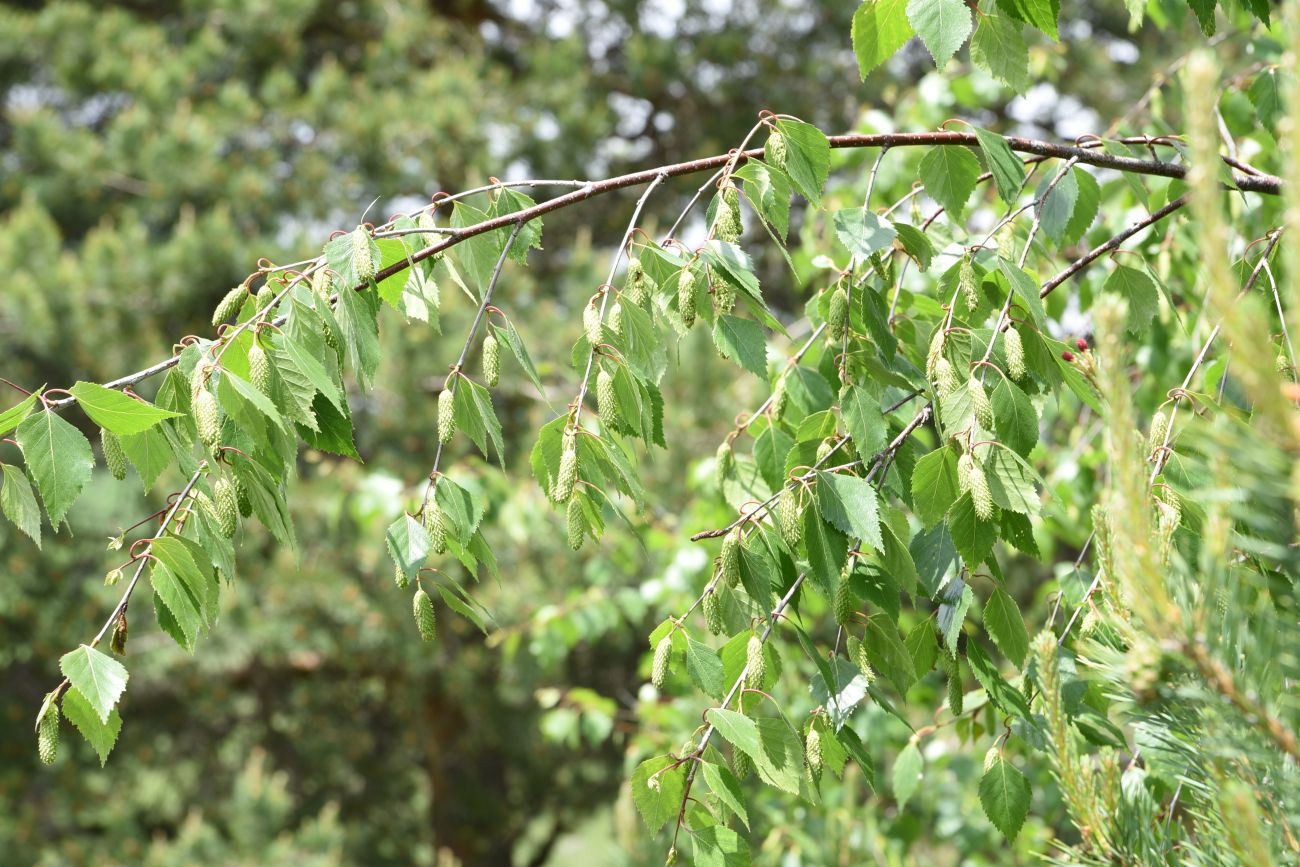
(724,294)
(567,477)
(591,323)
(774,152)
(637,292)
(755,663)
(825,448)
(114,457)
(812,750)
(47,734)
(607,401)
(937,340)
(844,602)
(837,314)
(863,661)
(789,517)
(965,466)
(686,297)
(980,403)
(322,284)
(726,225)
(400,578)
(198,380)
(741,763)
(446,416)
(264,299)
(729,560)
(117,642)
(968,283)
(616,319)
(491,361)
(575,523)
(726,461)
(980,494)
(780,399)
(229,306)
(1159,430)
(435,526)
(425,618)
(945,378)
(259,369)
(226,501)
(363,259)
(207,418)
(671,860)
(663,655)
(1015,351)
(241,497)
(712,604)
(1282,364)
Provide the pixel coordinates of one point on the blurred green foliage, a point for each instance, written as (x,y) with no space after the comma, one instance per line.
(150,153)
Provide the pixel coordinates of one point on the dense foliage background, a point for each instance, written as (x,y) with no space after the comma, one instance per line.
(150,153)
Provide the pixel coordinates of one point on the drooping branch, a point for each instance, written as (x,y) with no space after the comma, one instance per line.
(1088,152)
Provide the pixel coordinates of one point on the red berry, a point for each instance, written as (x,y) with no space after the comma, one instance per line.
(1081,343)
(1068,355)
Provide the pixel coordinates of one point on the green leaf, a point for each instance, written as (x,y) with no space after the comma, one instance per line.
(1014,416)
(862,231)
(957,599)
(998,47)
(850,504)
(943,26)
(475,416)
(1056,206)
(58,458)
(1041,14)
(950,173)
(887,653)
(864,420)
(908,767)
(1264,95)
(934,485)
(19,503)
(1139,290)
(742,341)
(705,668)
(1007,627)
(973,537)
(915,243)
(719,846)
(99,678)
(247,406)
(1008,171)
(150,452)
(100,734)
(658,803)
(880,28)
(777,754)
(1085,209)
(510,337)
(189,595)
(807,157)
(303,370)
(10,418)
(1025,289)
(723,783)
(1011,481)
(1008,698)
(1004,794)
(408,544)
(827,547)
(115,411)
(935,557)
(768,191)
(356,313)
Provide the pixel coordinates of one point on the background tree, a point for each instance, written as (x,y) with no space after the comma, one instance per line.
(147,180)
